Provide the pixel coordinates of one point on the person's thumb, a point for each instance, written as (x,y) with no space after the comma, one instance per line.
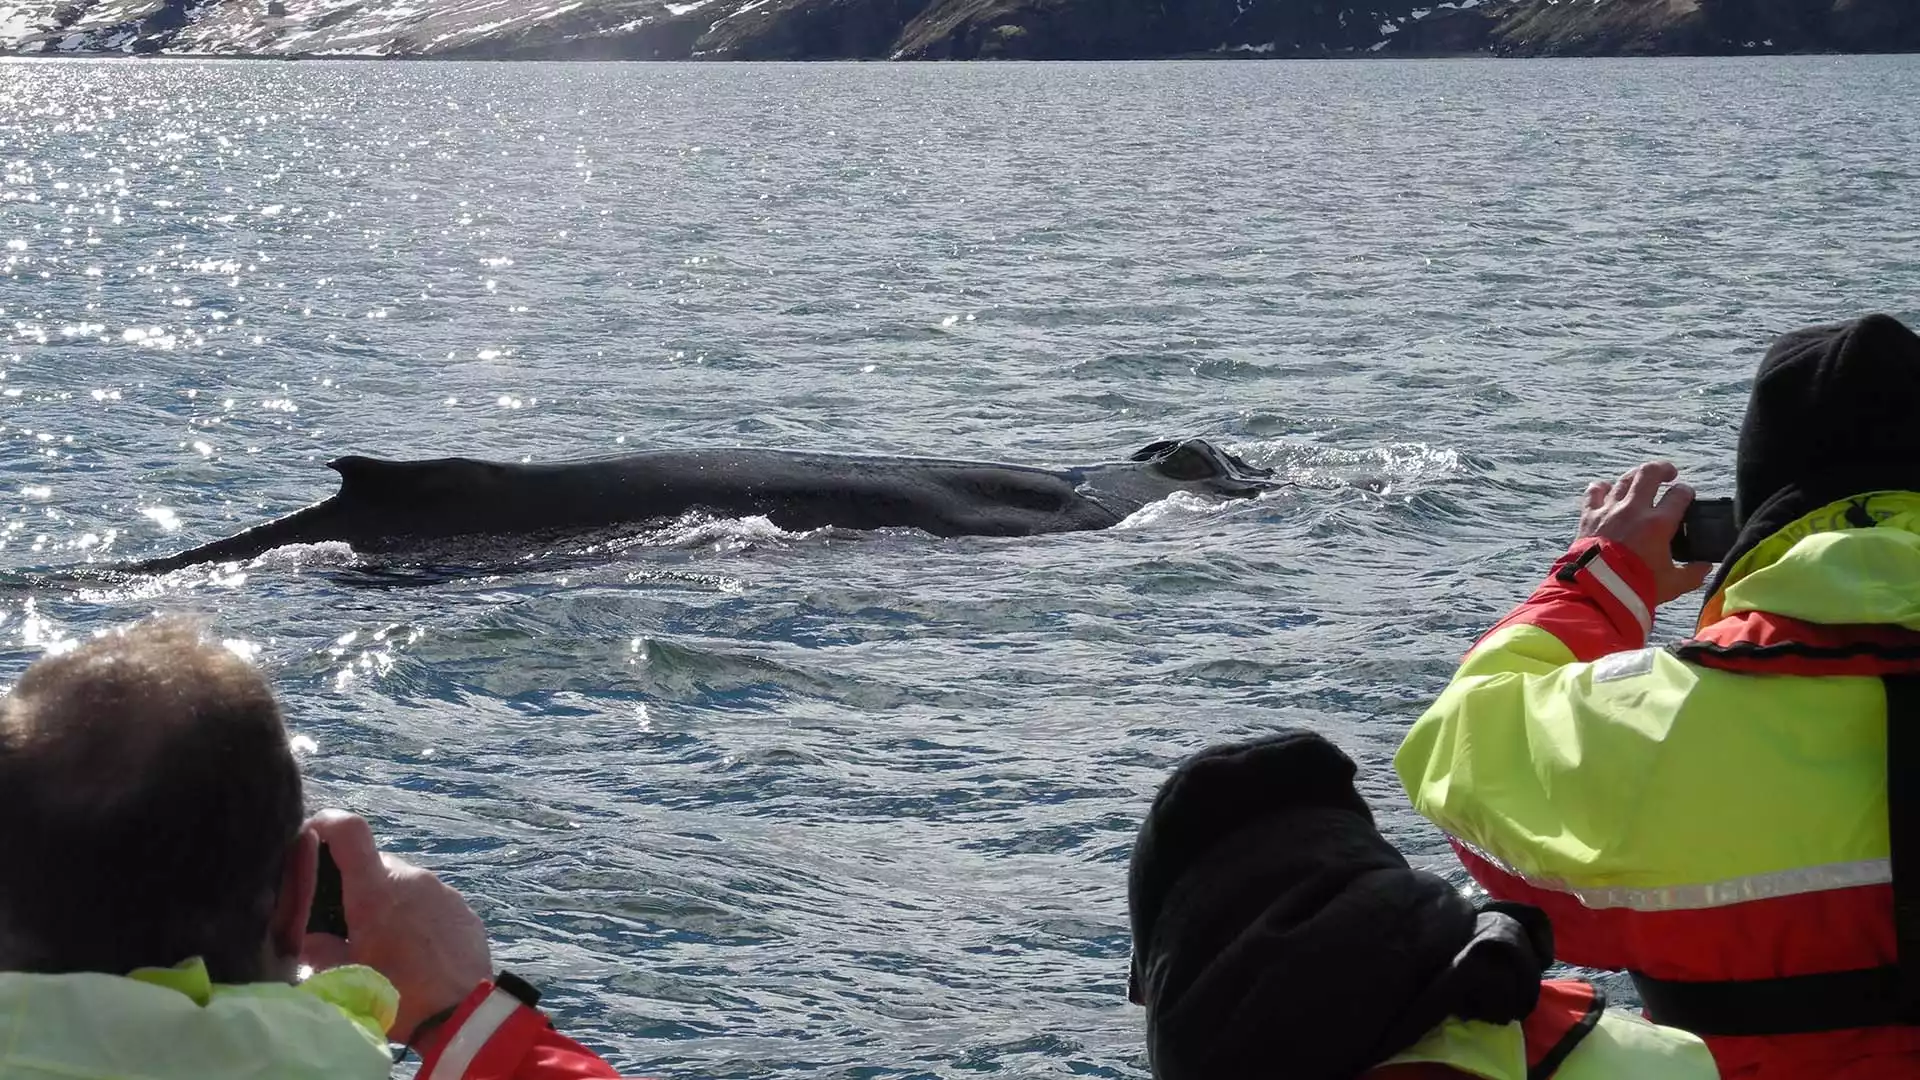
(1686,578)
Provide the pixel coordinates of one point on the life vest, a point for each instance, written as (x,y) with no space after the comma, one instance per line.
(1714,817)
(1570,1035)
(175,1024)
(1758,643)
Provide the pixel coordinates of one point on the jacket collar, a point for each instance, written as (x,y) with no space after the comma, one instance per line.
(1851,561)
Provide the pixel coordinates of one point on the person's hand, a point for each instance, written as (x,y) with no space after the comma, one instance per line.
(403,922)
(1629,514)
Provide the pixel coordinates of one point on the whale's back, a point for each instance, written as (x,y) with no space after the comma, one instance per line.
(795,490)
(386,505)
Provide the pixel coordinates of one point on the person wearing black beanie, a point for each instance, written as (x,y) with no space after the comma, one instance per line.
(1735,819)
(1277,934)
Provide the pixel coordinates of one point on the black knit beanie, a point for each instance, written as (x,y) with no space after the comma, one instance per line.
(1276,932)
(1219,790)
(1835,411)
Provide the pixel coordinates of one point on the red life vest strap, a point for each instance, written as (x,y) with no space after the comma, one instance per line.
(1760,643)
(1568,1011)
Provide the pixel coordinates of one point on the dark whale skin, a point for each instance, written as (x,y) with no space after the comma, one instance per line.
(394,506)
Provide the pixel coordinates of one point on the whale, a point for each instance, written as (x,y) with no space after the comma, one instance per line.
(385,507)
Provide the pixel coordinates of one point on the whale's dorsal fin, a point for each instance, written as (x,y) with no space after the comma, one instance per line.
(367,478)
(377,480)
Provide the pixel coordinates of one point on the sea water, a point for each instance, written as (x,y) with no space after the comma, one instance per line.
(756,804)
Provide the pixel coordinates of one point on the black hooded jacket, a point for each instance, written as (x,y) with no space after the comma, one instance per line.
(1277,934)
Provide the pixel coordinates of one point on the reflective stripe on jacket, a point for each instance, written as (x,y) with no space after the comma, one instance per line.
(1692,822)
(496,1034)
(1570,1035)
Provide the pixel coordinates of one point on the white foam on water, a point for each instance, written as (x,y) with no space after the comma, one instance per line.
(295,556)
(696,530)
(1179,506)
(1377,468)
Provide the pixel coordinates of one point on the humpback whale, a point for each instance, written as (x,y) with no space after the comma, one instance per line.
(384,507)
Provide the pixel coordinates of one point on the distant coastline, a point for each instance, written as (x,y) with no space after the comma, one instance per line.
(1169,58)
(720,30)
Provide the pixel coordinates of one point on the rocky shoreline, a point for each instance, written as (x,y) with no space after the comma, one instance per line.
(948,29)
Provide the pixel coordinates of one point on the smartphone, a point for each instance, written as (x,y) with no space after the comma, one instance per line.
(329,914)
(1707,532)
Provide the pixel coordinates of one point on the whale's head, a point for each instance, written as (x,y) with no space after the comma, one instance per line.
(1200,465)
(1159,469)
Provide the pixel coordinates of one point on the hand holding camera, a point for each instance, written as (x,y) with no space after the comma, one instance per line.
(400,920)
(1636,514)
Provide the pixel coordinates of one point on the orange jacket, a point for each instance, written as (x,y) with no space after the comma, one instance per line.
(497,1034)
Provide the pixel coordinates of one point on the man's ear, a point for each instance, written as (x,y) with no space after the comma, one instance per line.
(295,901)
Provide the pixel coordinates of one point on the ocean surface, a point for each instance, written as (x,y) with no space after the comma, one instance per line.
(759,804)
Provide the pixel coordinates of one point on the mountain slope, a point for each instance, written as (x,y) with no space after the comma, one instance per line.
(951,29)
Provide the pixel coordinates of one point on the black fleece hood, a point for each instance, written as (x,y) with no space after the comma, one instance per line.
(1277,934)
(1835,411)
